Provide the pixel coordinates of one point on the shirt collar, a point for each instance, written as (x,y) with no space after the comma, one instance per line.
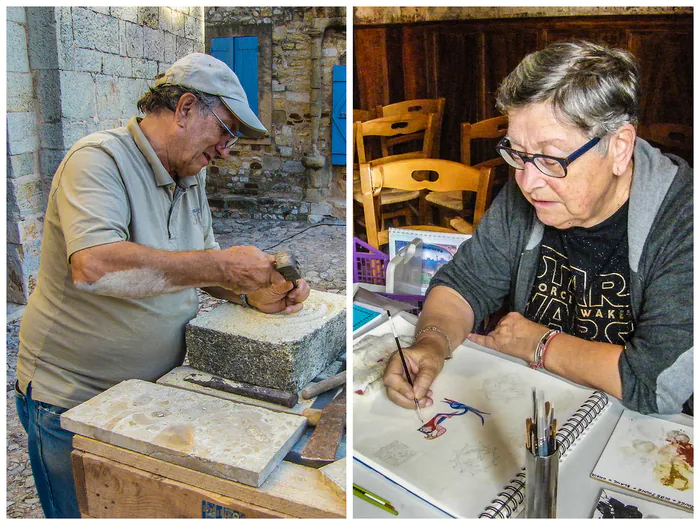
(161,175)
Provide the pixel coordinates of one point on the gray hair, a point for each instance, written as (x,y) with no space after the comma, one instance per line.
(591,86)
(166,96)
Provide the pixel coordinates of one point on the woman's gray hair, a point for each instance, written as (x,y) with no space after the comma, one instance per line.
(166,96)
(591,86)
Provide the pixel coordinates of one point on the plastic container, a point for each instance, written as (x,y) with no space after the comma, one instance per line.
(369,267)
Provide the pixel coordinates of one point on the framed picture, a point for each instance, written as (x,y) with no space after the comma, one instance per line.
(438,248)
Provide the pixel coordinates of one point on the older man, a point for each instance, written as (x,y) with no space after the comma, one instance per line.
(127,239)
(591,243)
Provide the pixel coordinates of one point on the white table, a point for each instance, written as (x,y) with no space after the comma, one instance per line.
(577,492)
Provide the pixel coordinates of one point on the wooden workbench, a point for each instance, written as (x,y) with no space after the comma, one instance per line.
(113,482)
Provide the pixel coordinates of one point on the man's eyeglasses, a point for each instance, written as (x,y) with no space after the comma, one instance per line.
(234,137)
(550,166)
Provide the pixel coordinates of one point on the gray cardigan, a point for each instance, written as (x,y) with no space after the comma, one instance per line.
(656,366)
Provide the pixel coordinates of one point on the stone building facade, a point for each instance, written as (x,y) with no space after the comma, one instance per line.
(72,71)
(75,70)
(288,175)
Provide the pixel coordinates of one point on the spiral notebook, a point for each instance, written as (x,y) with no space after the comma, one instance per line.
(463,467)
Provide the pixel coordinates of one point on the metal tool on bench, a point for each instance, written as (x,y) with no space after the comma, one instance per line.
(288,266)
(323,445)
(262,393)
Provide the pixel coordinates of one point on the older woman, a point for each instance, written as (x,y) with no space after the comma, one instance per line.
(591,243)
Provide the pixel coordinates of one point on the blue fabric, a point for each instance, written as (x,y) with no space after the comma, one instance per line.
(49,453)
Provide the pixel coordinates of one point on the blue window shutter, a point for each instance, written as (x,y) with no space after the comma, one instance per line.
(241,55)
(245,59)
(338,117)
(222,48)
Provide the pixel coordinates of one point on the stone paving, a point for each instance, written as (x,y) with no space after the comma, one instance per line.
(320,248)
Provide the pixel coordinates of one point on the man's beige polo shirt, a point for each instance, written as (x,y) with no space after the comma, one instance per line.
(110,187)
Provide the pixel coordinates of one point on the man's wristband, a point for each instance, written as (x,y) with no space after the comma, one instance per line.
(437,331)
(541,349)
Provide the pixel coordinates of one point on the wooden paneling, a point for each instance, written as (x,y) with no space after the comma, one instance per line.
(465,61)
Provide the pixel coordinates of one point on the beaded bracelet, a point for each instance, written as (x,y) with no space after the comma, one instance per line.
(437,331)
(538,359)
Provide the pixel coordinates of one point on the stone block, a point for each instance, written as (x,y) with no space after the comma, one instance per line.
(170,48)
(17,14)
(49,160)
(88,60)
(292,166)
(153,44)
(78,97)
(183,46)
(144,68)
(178,21)
(106,97)
(22,270)
(190,27)
(276,351)
(48,94)
(21,165)
(148,16)
(298,97)
(18,60)
(230,440)
(165,20)
(63,38)
(93,30)
(21,133)
(20,92)
(130,14)
(27,230)
(51,135)
(319,208)
(134,40)
(334,475)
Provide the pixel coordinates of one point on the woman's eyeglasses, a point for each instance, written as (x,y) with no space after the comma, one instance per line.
(547,164)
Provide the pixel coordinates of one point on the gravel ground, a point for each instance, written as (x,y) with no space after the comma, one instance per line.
(320,249)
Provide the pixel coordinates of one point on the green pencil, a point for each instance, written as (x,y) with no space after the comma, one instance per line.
(366,495)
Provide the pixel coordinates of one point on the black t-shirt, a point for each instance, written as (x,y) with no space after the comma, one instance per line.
(582,285)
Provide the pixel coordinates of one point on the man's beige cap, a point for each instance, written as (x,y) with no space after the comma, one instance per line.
(210,75)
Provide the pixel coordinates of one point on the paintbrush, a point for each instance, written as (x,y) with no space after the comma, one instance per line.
(403,362)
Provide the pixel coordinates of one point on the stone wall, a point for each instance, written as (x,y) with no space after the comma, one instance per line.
(72,71)
(289,175)
(406,15)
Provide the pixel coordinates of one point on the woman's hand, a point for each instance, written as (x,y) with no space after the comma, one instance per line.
(514,335)
(424,364)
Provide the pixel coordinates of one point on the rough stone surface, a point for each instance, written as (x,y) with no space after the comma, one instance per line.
(276,351)
(230,440)
(335,476)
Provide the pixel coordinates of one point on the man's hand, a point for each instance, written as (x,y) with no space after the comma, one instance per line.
(424,364)
(280,296)
(247,268)
(514,335)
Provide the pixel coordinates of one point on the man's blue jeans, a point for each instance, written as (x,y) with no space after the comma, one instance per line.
(49,453)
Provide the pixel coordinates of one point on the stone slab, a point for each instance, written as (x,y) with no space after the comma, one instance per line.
(276,351)
(176,378)
(230,440)
(334,475)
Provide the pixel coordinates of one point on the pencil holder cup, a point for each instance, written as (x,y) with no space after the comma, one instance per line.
(541,479)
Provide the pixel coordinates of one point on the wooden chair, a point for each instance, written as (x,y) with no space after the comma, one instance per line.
(458,202)
(670,138)
(388,127)
(407,107)
(402,175)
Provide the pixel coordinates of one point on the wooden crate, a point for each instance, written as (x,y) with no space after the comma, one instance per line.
(113,482)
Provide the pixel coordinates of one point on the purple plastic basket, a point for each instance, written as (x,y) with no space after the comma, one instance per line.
(369,266)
